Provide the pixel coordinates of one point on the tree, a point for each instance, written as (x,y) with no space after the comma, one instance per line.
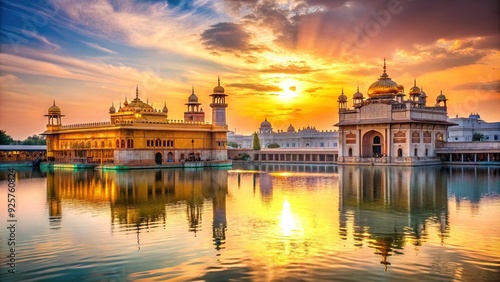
(232,144)
(273,145)
(478,137)
(256,141)
(34,140)
(5,139)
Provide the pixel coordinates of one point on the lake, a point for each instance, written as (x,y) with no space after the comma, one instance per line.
(254,223)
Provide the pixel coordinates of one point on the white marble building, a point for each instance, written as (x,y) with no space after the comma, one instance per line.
(468,126)
(307,137)
(386,128)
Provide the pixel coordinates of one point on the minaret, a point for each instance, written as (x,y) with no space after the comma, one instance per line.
(218,105)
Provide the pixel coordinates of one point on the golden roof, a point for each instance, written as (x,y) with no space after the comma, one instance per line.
(384,87)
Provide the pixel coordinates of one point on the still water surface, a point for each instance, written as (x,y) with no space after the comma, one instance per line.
(256,223)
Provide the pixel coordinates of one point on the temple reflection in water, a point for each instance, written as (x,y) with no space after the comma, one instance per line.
(386,208)
(139,199)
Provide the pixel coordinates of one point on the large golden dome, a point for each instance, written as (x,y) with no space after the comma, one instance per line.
(384,87)
(136,105)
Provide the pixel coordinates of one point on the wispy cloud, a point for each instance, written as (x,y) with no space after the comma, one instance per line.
(100,48)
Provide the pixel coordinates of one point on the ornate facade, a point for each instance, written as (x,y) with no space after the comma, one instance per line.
(138,134)
(386,128)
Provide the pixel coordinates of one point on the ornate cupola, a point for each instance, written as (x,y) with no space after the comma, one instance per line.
(414,92)
(441,100)
(193,114)
(357,99)
(342,100)
(54,117)
(218,105)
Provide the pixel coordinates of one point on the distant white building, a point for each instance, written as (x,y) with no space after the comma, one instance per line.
(468,126)
(307,137)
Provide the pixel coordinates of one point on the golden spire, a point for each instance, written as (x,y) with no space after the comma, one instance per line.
(192,90)
(218,81)
(137,91)
(384,74)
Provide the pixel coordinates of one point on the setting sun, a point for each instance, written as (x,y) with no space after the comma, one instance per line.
(290,89)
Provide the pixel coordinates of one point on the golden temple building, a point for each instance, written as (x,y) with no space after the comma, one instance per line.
(386,128)
(140,135)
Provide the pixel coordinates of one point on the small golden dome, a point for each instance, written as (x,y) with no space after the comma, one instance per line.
(291,128)
(112,109)
(342,97)
(165,109)
(384,87)
(218,88)
(193,97)
(54,109)
(415,90)
(422,93)
(401,88)
(358,95)
(441,97)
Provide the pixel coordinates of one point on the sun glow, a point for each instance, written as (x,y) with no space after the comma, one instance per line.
(290,89)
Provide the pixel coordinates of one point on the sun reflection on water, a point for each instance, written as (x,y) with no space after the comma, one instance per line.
(287,221)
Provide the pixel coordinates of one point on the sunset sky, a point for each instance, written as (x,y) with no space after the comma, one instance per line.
(286,60)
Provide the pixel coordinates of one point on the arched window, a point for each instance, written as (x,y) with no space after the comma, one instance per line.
(400,153)
(102,144)
(415,152)
(376,140)
(157,142)
(123,143)
(95,144)
(426,152)
(117,143)
(350,152)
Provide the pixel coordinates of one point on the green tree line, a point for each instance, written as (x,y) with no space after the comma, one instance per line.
(6,139)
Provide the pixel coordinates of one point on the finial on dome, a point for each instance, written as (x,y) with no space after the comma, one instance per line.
(414,82)
(218,81)
(358,87)
(54,102)
(384,73)
(342,90)
(192,92)
(137,91)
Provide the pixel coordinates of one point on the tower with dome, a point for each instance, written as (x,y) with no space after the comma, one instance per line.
(138,134)
(387,128)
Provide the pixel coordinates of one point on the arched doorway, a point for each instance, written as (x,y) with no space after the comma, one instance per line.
(373,144)
(170,157)
(158,158)
(350,152)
